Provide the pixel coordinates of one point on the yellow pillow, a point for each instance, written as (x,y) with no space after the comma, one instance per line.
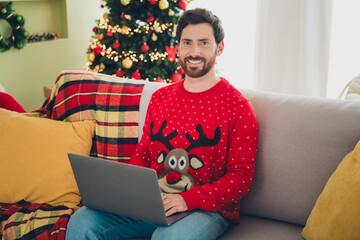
(336,214)
(33,158)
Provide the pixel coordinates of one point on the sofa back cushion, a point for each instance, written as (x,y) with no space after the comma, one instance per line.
(301,142)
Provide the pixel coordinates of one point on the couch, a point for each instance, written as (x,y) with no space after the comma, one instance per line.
(302,141)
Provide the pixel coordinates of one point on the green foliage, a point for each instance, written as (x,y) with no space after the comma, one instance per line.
(132,25)
(18,35)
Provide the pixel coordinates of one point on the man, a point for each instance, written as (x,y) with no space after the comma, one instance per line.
(200,135)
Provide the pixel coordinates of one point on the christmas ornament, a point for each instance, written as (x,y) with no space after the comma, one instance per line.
(163,4)
(43,37)
(160,80)
(109,33)
(181,71)
(153,1)
(171,13)
(136,75)
(183,4)
(157,29)
(125,2)
(122,15)
(123,30)
(176,77)
(97,50)
(127,63)
(145,47)
(116,45)
(119,73)
(105,16)
(91,57)
(172,52)
(99,36)
(150,19)
(102,66)
(154,37)
(94,29)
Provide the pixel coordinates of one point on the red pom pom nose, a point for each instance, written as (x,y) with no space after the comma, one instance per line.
(173,177)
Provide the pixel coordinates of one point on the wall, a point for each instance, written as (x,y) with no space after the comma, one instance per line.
(23,73)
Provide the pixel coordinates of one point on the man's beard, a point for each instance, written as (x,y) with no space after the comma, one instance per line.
(197,72)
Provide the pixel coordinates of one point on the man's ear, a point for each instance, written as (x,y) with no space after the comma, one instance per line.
(220,48)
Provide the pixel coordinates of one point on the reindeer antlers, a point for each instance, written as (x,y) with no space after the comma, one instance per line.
(160,135)
(203,140)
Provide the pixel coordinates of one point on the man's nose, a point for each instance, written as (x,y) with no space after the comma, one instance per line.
(195,50)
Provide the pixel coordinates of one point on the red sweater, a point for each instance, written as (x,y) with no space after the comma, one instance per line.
(202,145)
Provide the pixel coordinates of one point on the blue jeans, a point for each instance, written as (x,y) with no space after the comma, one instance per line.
(91,224)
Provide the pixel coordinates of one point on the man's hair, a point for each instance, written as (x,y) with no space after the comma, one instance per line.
(197,16)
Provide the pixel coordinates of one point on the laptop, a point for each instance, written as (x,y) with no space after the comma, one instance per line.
(121,189)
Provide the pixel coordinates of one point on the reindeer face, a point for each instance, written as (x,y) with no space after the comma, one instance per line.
(176,178)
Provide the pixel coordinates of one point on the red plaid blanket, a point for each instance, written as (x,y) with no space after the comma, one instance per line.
(33,221)
(80,95)
(113,102)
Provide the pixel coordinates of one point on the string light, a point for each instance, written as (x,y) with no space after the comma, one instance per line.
(104,24)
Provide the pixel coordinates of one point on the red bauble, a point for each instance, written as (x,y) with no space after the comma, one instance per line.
(181,71)
(183,4)
(94,29)
(122,15)
(153,1)
(145,48)
(109,33)
(102,5)
(97,50)
(176,77)
(150,19)
(119,73)
(136,75)
(116,45)
(159,80)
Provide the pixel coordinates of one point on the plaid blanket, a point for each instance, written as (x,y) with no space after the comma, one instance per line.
(33,221)
(113,102)
(80,95)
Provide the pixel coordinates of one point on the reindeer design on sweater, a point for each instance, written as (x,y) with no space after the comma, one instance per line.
(177,161)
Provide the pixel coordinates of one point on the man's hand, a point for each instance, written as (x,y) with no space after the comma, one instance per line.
(174,203)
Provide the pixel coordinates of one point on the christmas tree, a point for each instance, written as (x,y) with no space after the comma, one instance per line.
(136,39)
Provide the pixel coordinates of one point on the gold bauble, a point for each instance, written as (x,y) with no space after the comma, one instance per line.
(171,13)
(163,4)
(157,29)
(105,16)
(154,37)
(91,57)
(99,36)
(127,63)
(123,30)
(102,66)
(125,2)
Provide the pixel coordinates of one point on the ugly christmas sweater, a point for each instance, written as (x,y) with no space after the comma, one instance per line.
(202,145)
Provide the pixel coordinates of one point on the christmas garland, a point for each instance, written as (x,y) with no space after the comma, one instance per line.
(18,34)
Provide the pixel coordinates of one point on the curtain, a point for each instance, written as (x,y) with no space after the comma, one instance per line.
(292,46)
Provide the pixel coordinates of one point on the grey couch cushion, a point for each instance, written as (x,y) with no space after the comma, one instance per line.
(148,90)
(258,228)
(301,142)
